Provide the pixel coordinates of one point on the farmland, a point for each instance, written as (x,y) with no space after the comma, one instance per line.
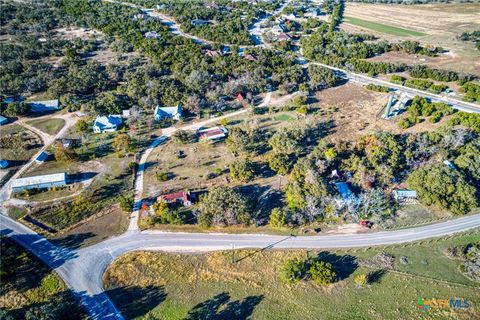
(441,24)
(383,28)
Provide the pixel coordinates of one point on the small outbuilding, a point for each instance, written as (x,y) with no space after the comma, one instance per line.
(41,158)
(3,120)
(214,133)
(3,163)
(110,123)
(40,182)
(404,195)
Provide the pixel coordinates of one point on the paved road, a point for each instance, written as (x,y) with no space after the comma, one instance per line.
(82,269)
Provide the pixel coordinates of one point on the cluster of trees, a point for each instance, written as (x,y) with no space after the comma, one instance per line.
(295,270)
(421,71)
(420,107)
(444,187)
(473,36)
(469,120)
(377,88)
(13,109)
(167,214)
(428,85)
(414,47)
(472,91)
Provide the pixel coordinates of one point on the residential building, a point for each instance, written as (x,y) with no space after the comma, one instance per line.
(199,22)
(212,53)
(182,198)
(214,133)
(110,123)
(250,57)
(40,182)
(3,163)
(42,157)
(162,113)
(44,106)
(152,35)
(404,195)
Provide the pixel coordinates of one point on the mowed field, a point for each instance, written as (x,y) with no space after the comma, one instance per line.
(440,24)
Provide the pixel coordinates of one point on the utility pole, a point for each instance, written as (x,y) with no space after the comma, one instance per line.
(233,253)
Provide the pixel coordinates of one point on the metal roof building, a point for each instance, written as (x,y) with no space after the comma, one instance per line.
(40,182)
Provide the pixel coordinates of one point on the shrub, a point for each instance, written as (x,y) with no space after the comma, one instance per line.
(293,271)
(361,280)
(126,203)
(242,170)
(322,273)
(162,175)
(278,218)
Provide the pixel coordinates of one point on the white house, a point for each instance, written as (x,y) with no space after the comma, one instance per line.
(161,113)
(152,35)
(109,123)
(405,196)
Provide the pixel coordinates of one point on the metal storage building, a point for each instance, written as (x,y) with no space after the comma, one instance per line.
(40,182)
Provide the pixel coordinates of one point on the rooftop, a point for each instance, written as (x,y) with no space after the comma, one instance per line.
(47,178)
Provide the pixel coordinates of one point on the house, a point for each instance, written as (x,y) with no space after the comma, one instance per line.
(109,123)
(283,37)
(126,113)
(152,35)
(3,120)
(67,143)
(250,57)
(44,106)
(214,133)
(40,182)
(240,97)
(42,157)
(212,53)
(404,195)
(226,50)
(3,163)
(162,113)
(182,198)
(199,22)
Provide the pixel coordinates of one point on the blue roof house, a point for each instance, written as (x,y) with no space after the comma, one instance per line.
(3,163)
(174,113)
(109,123)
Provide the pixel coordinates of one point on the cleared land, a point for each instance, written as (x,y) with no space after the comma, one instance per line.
(380,27)
(29,287)
(441,23)
(169,286)
(50,126)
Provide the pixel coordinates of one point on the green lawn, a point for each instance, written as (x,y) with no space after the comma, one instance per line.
(151,285)
(383,28)
(50,126)
(30,290)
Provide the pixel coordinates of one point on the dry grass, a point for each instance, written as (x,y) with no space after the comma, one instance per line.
(441,22)
(187,280)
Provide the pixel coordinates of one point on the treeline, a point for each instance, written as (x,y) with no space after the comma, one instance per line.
(420,107)
(473,36)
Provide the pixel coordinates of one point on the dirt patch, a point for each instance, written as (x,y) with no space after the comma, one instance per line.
(356,111)
(441,22)
(82,33)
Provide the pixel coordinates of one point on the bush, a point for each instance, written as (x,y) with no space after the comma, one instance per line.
(322,273)
(184,136)
(397,79)
(242,170)
(126,203)
(162,175)
(361,280)
(377,88)
(278,218)
(293,271)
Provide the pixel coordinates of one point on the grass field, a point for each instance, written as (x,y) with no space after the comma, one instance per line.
(30,290)
(380,27)
(172,286)
(50,126)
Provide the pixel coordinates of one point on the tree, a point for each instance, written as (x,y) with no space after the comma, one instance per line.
(126,203)
(330,154)
(63,154)
(322,273)
(121,143)
(14,109)
(278,218)
(444,187)
(293,270)
(223,206)
(240,142)
(82,126)
(166,215)
(242,170)
(280,163)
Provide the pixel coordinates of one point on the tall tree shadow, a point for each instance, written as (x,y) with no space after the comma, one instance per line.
(344,265)
(376,276)
(221,308)
(133,301)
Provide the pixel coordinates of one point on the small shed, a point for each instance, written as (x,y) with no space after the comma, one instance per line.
(214,133)
(404,195)
(3,163)
(3,120)
(42,157)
